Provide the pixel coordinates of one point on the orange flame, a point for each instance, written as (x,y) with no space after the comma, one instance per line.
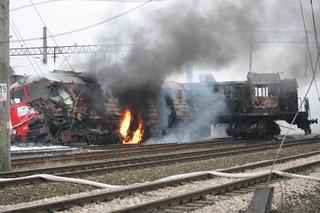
(125,123)
(124,129)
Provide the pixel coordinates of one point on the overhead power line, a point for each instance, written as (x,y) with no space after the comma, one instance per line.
(228,36)
(53,1)
(89,26)
(57,50)
(317,46)
(47,29)
(314,69)
(104,21)
(261,36)
(296,37)
(38,72)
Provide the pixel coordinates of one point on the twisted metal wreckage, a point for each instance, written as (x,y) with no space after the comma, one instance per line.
(68,107)
(63,107)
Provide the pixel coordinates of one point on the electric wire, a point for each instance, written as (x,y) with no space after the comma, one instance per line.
(89,26)
(317,44)
(278,36)
(43,22)
(308,47)
(30,62)
(104,21)
(288,129)
(302,102)
(52,1)
(23,43)
(314,26)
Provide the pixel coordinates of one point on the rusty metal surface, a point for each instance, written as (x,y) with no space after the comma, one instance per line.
(265,102)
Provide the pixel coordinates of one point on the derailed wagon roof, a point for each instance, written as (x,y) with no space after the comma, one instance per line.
(263,78)
(66,77)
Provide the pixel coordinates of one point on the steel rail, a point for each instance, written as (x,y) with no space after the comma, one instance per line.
(209,141)
(161,159)
(206,140)
(106,196)
(215,190)
(139,150)
(105,154)
(90,168)
(123,147)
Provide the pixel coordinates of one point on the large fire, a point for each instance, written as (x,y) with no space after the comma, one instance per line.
(124,129)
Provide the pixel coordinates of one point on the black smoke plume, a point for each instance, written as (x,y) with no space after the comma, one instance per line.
(170,39)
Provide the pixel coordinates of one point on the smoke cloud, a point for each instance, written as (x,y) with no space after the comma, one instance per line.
(205,106)
(173,37)
(288,58)
(183,33)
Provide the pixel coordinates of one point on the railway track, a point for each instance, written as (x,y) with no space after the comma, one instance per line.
(128,152)
(187,198)
(161,204)
(71,149)
(133,147)
(135,163)
(123,152)
(208,140)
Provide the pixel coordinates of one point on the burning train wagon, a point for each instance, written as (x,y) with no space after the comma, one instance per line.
(77,109)
(250,108)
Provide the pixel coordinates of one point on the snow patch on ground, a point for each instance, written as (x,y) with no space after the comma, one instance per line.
(41,148)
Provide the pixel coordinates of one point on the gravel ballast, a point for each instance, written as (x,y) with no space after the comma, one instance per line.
(146,153)
(189,187)
(34,192)
(154,173)
(171,191)
(293,188)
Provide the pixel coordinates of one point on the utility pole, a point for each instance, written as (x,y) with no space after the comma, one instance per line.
(45,51)
(5,162)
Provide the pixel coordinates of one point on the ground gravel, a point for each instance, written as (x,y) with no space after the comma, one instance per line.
(295,189)
(189,187)
(46,190)
(150,174)
(29,193)
(304,202)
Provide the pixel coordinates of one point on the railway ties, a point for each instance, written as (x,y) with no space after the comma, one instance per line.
(134,163)
(189,200)
(16,162)
(117,151)
(124,193)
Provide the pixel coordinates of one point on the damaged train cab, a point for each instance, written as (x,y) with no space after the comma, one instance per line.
(60,109)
